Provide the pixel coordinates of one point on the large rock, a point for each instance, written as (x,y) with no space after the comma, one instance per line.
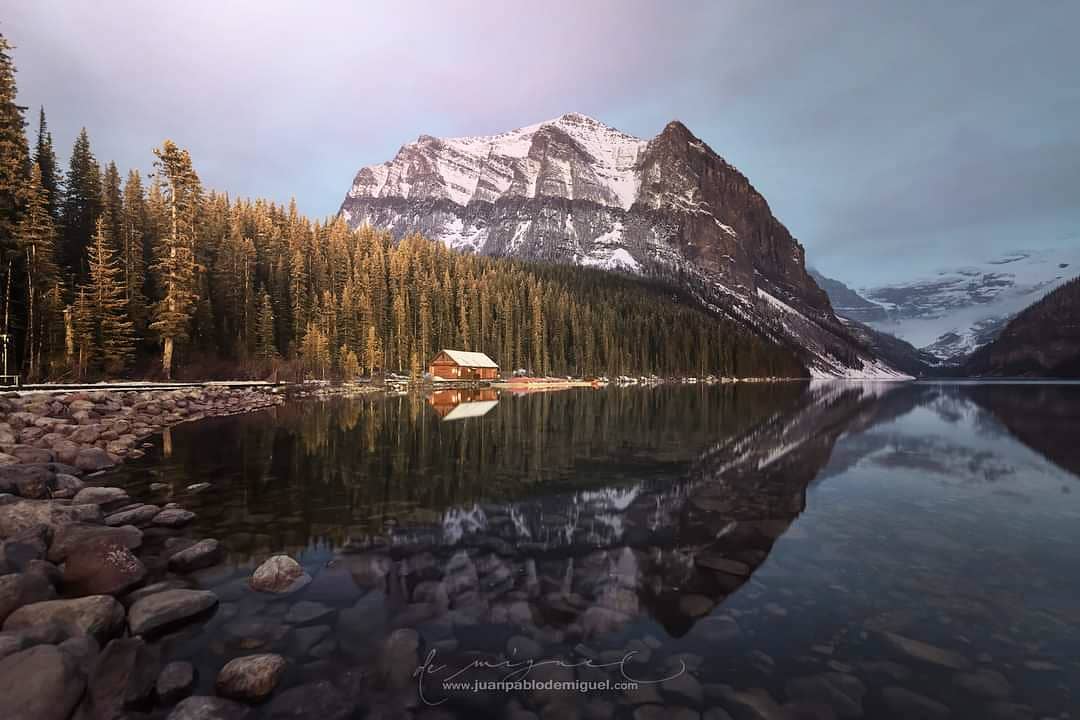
(99,616)
(202,554)
(173,517)
(202,707)
(102,567)
(307,612)
(279,574)
(92,459)
(161,610)
(23,514)
(175,682)
(28,481)
(25,546)
(42,683)
(34,454)
(926,652)
(844,693)
(908,705)
(19,589)
(108,496)
(399,658)
(122,679)
(72,536)
(140,516)
(251,678)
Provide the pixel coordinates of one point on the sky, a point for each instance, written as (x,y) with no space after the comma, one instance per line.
(892,138)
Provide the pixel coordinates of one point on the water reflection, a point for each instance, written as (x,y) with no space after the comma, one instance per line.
(592,521)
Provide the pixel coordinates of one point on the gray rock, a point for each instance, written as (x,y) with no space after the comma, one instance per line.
(305,638)
(202,707)
(985,682)
(203,554)
(173,517)
(28,481)
(101,496)
(41,683)
(78,534)
(139,516)
(684,688)
(84,650)
(64,481)
(306,612)
(399,658)
(122,679)
(175,682)
(908,705)
(19,589)
(18,516)
(102,568)
(250,678)
(314,700)
(99,616)
(18,551)
(92,459)
(279,574)
(162,610)
(198,487)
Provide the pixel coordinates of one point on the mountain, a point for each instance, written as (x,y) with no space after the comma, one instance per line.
(846,302)
(1041,341)
(954,312)
(898,353)
(575,191)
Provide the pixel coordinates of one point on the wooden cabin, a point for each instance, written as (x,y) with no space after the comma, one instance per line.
(462,365)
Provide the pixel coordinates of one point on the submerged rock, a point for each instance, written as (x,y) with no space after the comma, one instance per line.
(926,652)
(164,609)
(175,682)
(251,678)
(306,612)
(42,683)
(173,517)
(908,705)
(844,693)
(314,700)
(279,574)
(122,679)
(101,496)
(203,554)
(202,707)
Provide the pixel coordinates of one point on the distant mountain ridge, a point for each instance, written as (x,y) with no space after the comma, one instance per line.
(575,191)
(1041,341)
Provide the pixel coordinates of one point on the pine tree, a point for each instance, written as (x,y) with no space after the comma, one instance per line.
(115,331)
(45,159)
(350,364)
(315,351)
(112,206)
(132,248)
(80,208)
(174,264)
(83,324)
(265,347)
(36,238)
(14,152)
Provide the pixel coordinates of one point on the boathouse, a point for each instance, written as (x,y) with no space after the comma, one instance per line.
(462,365)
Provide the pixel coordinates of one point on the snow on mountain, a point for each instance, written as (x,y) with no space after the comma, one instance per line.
(573,190)
(956,311)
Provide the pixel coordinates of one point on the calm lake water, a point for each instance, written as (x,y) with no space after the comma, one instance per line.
(803,551)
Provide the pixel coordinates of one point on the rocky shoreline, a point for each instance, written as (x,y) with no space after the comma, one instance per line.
(83,594)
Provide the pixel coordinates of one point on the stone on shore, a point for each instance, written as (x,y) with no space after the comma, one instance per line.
(72,536)
(279,574)
(28,481)
(41,683)
(54,514)
(92,459)
(19,589)
(203,554)
(102,567)
(251,678)
(139,516)
(314,700)
(173,517)
(203,707)
(99,616)
(161,610)
(101,496)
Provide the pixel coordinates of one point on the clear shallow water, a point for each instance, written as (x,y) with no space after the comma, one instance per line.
(785,542)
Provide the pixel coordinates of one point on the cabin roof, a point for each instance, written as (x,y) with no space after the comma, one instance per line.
(470,359)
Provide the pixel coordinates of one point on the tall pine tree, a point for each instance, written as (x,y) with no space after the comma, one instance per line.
(36,238)
(115,331)
(45,159)
(81,207)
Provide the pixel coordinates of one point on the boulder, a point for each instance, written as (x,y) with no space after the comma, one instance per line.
(84,650)
(69,483)
(156,612)
(203,707)
(926,652)
(173,517)
(906,704)
(399,659)
(19,589)
(279,574)
(108,496)
(202,554)
(99,616)
(23,514)
(75,535)
(251,678)
(24,547)
(122,678)
(175,682)
(33,454)
(306,612)
(41,683)
(102,567)
(139,515)
(92,459)
(29,481)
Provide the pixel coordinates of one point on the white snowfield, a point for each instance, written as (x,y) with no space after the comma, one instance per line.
(945,313)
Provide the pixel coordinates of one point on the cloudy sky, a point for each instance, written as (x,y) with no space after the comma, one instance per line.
(892,138)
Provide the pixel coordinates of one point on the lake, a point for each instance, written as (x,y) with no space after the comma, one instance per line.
(763,550)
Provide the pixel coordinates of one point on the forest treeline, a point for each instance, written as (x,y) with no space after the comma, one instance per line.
(111,275)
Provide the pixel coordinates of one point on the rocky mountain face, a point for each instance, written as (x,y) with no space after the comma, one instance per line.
(575,191)
(1041,341)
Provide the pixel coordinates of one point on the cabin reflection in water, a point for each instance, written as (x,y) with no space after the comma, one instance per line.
(463,402)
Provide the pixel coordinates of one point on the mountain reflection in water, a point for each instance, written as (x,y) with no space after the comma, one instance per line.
(588,520)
